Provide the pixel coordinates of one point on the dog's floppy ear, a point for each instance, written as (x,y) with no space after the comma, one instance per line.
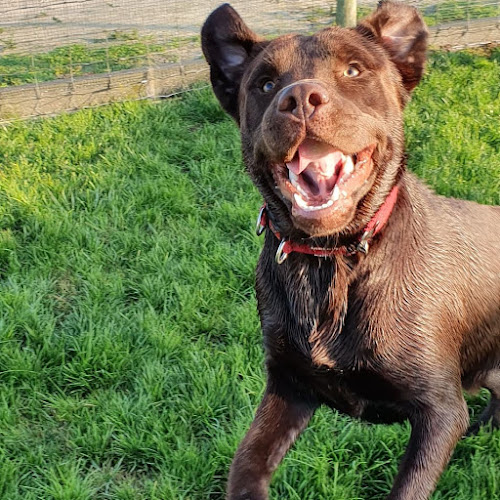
(401,30)
(228,45)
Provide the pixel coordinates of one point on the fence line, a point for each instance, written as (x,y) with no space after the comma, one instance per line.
(152,62)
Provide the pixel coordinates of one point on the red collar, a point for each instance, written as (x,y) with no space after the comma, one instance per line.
(286,247)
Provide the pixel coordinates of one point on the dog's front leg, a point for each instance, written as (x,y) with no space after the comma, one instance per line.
(435,433)
(280,418)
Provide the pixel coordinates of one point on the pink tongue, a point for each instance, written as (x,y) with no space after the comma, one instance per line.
(322,157)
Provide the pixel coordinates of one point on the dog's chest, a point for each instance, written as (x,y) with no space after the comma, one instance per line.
(317,304)
(311,296)
(326,340)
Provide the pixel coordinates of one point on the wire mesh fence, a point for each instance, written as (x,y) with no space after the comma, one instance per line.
(60,55)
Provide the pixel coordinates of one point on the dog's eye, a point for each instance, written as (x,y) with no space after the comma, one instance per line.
(268,86)
(351,72)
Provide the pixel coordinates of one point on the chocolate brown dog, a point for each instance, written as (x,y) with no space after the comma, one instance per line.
(376,296)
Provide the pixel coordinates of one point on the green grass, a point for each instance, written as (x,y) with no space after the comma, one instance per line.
(128,49)
(130,350)
(461,10)
(436,13)
(124,50)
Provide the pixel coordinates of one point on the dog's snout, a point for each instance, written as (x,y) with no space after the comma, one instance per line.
(302,99)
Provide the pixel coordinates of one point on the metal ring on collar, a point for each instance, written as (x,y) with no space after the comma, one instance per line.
(281,256)
(259,228)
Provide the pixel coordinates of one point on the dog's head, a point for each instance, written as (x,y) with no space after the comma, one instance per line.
(320,116)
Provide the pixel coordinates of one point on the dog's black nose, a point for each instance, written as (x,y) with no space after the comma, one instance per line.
(302,99)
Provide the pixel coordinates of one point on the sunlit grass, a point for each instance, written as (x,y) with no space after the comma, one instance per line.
(442,12)
(120,51)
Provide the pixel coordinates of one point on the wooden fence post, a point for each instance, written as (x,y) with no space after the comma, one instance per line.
(346,13)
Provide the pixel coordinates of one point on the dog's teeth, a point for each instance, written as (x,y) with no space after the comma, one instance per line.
(348,166)
(294,180)
(310,208)
(301,191)
(335,194)
(300,201)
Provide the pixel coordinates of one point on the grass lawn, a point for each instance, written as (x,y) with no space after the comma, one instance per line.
(441,12)
(128,49)
(121,50)
(130,350)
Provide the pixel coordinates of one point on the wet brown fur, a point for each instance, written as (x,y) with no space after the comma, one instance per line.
(393,335)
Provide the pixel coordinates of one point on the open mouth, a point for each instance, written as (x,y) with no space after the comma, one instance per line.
(320,178)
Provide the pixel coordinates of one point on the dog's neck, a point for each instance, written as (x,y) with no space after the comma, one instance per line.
(360,243)
(318,291)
